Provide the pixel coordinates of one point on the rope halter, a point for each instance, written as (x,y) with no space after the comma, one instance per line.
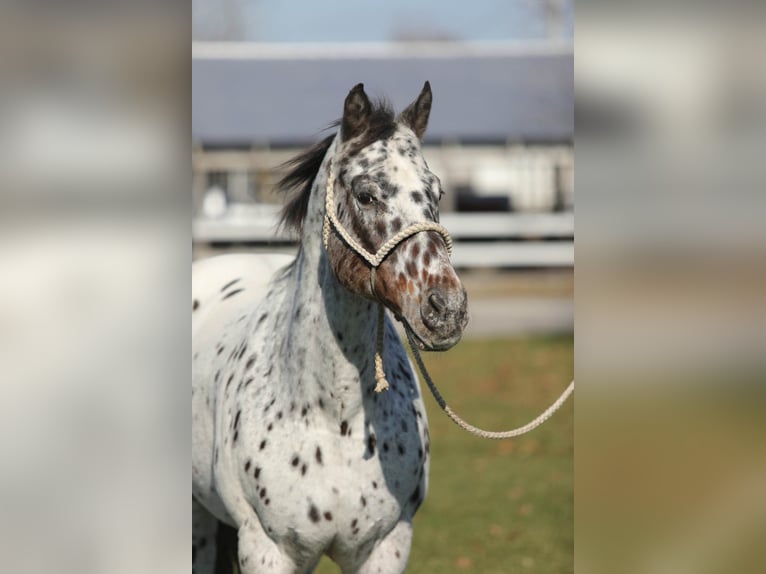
(374,260)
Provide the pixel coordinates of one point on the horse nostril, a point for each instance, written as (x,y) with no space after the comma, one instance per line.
(438,302)
(443,315)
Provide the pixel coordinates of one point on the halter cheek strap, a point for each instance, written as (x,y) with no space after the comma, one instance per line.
(374,260)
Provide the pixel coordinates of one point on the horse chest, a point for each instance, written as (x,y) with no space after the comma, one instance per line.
(313,477)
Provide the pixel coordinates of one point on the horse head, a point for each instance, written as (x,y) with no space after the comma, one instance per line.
(380,185)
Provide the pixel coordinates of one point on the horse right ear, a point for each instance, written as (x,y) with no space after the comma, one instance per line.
(356,113)
(416,114)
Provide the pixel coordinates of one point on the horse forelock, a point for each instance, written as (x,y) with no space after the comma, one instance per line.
(381,125)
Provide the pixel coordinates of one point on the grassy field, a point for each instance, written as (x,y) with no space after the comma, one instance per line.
(498,507)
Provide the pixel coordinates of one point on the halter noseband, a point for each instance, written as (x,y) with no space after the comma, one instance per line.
(373,259)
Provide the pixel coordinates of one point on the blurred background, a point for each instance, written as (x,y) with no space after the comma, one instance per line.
(94,281)
(268,77)
(96,196)
(671,287)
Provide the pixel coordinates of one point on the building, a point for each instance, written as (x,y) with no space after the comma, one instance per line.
(500,135)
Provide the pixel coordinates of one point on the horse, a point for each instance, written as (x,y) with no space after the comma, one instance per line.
(295,443)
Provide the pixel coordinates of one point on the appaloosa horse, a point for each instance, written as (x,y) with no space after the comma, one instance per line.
(291,443)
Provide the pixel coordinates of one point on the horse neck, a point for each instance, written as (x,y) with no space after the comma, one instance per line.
(336,326)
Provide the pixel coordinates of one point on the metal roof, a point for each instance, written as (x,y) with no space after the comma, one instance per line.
(245,94)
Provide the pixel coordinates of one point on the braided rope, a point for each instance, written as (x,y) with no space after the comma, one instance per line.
(380,375)
(375,259)
(476,430)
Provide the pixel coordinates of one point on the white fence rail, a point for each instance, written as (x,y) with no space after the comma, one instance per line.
(481,239)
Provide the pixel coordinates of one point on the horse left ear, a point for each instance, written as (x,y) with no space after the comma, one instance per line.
(356,113)
(416,114)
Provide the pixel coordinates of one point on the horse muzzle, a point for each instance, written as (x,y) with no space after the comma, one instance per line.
(444,314)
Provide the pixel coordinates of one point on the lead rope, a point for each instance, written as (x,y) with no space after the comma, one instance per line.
(375,259)
(546,414)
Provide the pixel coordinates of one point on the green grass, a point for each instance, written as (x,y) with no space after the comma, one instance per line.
(498,506)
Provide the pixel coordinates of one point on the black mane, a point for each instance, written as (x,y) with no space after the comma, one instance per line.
(303,168)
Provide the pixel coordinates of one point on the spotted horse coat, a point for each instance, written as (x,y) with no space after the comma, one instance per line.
(291,446)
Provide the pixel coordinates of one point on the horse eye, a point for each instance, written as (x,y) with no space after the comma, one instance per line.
(364,198)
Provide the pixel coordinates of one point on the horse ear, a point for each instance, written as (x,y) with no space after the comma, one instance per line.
(416,114)
(356,113)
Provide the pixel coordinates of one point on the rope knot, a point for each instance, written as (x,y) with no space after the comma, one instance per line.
(381,384)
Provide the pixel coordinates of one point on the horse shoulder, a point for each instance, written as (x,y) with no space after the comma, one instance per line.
(226,284)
